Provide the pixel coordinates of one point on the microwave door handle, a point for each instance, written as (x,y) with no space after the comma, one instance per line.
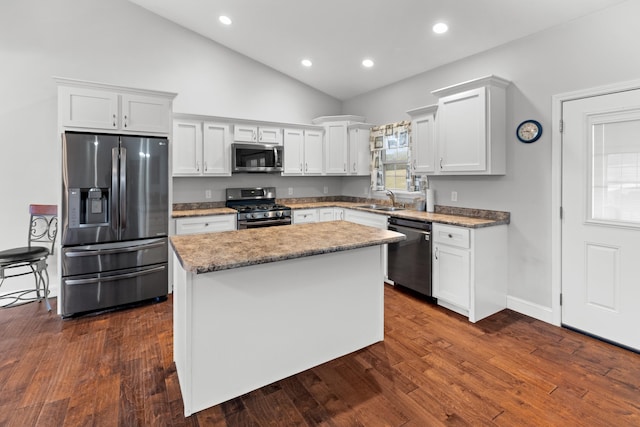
(115,161)
(123,190)
(275,153)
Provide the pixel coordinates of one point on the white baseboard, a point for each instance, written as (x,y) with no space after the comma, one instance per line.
(530,309)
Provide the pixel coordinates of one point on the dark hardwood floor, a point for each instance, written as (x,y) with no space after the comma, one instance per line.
(434,368)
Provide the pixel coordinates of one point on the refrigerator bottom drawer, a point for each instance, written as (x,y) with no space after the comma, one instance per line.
(106,290)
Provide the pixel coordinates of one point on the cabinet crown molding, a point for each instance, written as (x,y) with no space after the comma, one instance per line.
(343,118)
(420,111)
(64,81)
(490,80)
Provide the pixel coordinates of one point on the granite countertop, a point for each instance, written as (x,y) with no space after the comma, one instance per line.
(202,253)
(462,217)
(186,213)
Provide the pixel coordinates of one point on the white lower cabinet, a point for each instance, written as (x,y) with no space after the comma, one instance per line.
(330,214)
(205,224)
(366,218)
(470,269)
(303,216)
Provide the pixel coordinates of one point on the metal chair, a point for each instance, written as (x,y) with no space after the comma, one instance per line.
(32,259)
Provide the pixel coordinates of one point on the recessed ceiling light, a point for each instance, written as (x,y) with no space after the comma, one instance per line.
(306,62)
(440,28)
(368,63)
(224,19)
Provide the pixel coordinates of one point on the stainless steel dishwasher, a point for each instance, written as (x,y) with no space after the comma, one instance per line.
(409,261)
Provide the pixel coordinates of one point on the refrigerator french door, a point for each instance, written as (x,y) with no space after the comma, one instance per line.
(114,220)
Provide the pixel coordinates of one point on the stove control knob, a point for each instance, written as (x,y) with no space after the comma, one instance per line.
(249,216)
(280,213)
(266,214)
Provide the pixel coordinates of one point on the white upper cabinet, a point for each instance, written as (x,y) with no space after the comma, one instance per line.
(294,152)
(423,139)
(260,134)
(359,151)
(201,148)
(336,148)
(303,152)
(187,148)
(336,142)
(216,149)
(313,152)
(86,105)
(471,127)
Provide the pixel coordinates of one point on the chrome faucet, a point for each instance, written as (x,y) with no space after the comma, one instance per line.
(391,196)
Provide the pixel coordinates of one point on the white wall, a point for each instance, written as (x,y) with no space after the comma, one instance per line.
(119,43)
(592,51)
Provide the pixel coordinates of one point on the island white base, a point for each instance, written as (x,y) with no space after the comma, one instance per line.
(240,329)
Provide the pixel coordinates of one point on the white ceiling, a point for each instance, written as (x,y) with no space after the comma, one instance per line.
(337,34)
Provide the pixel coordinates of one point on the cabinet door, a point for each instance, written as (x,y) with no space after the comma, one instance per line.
(244,133)
(268,135)
(303,216)
(326,214)
(88,108)
(293,151)
(205,224)
(145,114)
(462,142)
(359,151)
(366,218)
(313,152)
(216,148)
(187,148)
(423,144)
(336,148)
(451,275)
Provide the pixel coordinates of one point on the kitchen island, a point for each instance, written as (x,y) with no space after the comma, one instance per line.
(255,306)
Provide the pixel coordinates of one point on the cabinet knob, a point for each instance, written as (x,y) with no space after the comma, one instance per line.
(114,120)
(440,162)
(125,120)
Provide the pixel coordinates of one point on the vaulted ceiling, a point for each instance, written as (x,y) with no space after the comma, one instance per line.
(336,35)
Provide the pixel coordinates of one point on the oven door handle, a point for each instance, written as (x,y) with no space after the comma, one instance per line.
(264,222)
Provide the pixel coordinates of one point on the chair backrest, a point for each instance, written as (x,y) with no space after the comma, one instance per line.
(43,225)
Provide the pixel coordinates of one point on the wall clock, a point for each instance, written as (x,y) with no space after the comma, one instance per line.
(529,131)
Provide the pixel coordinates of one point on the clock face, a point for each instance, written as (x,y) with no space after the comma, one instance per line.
(529,131)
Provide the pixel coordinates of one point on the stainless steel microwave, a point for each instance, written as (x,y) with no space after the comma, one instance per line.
(256,158)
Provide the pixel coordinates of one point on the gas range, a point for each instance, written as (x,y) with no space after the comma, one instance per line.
(257,207)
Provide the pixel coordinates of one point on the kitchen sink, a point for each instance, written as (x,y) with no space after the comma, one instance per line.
(383,208)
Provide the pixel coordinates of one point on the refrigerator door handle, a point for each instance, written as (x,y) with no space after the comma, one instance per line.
(123,190)
(94,252)
(115,160)
(72,282)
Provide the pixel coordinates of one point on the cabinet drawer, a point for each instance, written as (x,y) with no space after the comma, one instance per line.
(205,224)
(451,235)
(303,216)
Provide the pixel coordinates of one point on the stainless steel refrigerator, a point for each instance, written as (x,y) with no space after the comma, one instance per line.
(114,221)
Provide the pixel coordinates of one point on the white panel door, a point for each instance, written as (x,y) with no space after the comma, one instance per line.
(462,132)
(313,152)
(293,151)
(187,148)
(216,149)
(601,220)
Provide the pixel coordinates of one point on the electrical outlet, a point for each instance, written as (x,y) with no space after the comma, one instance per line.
(454,196)
(207,194)
(326,190)
(290,191)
